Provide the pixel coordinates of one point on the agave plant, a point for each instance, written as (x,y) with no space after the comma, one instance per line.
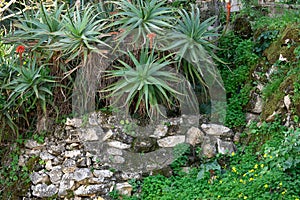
(36,28)
(31,85)
(82,34)
(140,18)
(6,112)
(146,84)
(190,39)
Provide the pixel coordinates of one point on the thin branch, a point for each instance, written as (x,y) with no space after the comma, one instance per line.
(7,5)
(14,14)
(20,12)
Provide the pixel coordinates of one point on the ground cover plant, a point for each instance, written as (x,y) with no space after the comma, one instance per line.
(256,171)
(42,48)
(265,165)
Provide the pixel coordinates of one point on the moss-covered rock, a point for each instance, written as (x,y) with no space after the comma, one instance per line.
(284,46)
(275,101)
(242,27)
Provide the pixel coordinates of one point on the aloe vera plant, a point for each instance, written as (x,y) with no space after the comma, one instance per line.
(148,83)
(190,39)
(141,18)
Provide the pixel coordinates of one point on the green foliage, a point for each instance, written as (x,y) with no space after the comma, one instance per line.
(264,40)
(181,3)
(190,39)
(73,34)
(277,22)
(238,53)
(7,115)
(180,153)
(39,26)
(247,174)
(147,84)
(155,187)
(272,88)
(141,18)
(207,167)
(128,127)
(14,179)
(297,52)
(286,155)
(81,35)
(296,96)
(30,85)
(235,115)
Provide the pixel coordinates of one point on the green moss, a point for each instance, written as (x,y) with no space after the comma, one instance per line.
(285,45)
(30,164)
(274,93)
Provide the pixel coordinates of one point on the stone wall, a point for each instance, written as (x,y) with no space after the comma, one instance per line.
(90,157)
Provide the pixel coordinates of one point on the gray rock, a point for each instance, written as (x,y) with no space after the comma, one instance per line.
(216,130)
(192,120)
(88,154)
(32,152)
(251,117)
(160,131)
(258,106)
(260,87)
(287,102)
(71,154)
(114,151)
(237,137)
(32,144)
(93,121)
(66,184)
(88,162)
(174,130)
(22,161)
(55,174)
(88,190)
(90,134)
(44,155)
(123,137)
(82,162)
(48,165)
(209,150)
(118,145)
(75,122)
(103,173)
(144,144)
(57,161)
(69,166)
(96,180)
(194,136)
(73,137)
(108,135)
(56,149)
(117,159)
(36,178)
(82,174)
(130,175)
(43,190)
(171,141)
(124,188)
(75,145)
(225,147)
(271,118)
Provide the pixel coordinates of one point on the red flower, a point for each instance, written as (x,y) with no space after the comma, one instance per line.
(228,11)
(20,49)
(151,37)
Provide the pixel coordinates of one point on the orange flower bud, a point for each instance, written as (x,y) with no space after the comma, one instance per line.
(20,49)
